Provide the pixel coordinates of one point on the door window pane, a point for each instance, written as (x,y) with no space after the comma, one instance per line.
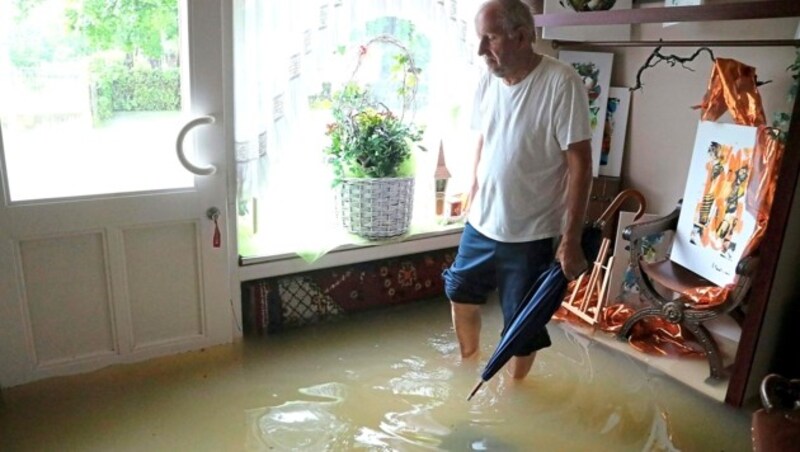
(91,97)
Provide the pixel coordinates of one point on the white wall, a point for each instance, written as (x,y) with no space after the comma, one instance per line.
(662,125)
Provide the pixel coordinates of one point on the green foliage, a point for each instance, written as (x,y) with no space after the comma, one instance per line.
(367,139)
(37,39)
(24,7)
(28,50)
(119,89)
(136,27)
(129,42)
(781,120)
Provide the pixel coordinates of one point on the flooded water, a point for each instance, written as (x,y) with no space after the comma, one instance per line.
(385,380)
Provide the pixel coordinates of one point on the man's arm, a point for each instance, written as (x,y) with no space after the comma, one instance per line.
(474,186)
(579,164)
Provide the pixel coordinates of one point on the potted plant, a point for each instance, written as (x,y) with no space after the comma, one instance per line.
(367,140)
(371,154)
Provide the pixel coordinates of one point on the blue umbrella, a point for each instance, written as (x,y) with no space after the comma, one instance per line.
(544,298)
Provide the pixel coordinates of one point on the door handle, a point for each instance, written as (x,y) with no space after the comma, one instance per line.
(192,168)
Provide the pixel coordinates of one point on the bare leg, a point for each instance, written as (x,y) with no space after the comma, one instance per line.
(520,366)
(467,323)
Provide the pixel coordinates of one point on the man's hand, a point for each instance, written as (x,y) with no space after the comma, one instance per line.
(573,262)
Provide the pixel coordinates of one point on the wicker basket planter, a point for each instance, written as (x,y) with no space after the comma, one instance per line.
(375,208)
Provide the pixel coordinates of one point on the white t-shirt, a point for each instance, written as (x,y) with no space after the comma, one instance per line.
(522,172)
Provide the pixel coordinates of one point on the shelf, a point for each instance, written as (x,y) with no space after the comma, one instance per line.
(691,372)
(679,43)
(728,11)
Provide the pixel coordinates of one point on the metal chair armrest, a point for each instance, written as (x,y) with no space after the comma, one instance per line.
(747,266)
(645,228)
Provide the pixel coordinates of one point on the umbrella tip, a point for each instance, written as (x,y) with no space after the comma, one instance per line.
(474,390)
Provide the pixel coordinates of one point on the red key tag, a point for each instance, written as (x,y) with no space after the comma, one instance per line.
(217,236)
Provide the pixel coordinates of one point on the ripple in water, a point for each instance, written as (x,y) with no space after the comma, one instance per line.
(410,399)
(303,425)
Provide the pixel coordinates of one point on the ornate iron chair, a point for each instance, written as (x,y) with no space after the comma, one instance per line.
(675,306)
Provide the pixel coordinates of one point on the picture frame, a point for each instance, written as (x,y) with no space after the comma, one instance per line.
(595,70)
(715,223)
(622,287)
(585,32)
(614,130)
(669,3)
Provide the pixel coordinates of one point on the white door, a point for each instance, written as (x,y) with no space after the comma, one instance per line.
(106,251)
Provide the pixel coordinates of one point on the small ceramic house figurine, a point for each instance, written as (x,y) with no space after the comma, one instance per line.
(454,208)
(441,175)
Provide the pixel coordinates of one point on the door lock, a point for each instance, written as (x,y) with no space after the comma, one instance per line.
(212,213)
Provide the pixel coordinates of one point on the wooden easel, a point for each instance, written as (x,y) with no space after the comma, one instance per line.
(593,296)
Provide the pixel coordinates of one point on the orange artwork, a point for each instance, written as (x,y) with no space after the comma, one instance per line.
(716,227)
(718,214)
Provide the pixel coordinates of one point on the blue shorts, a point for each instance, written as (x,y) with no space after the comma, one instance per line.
(483,265)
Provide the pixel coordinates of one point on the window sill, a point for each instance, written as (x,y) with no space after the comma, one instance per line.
(257,267)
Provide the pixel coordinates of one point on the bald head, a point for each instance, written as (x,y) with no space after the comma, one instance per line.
(512,16)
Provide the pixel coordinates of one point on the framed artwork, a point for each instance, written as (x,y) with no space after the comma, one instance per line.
(668,3)
(613,144)
(595,70)
(683,2)
(715,225)
(622,287)
(586,32)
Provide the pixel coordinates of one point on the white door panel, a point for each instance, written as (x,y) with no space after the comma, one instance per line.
(66,297)
(109,277)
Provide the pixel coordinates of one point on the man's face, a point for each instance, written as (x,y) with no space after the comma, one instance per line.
(498,49)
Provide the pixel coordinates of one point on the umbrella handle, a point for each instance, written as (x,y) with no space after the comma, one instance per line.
(606,218)
(475,390)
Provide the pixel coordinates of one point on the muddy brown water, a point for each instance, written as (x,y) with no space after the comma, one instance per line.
(385,380)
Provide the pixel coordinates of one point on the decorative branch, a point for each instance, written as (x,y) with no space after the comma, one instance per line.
(408,88)
(657,57)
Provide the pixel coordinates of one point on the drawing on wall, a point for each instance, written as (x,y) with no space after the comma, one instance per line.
(586,32)
(616,125)
(622,287)
(715,226)
(680,3)
(594,69)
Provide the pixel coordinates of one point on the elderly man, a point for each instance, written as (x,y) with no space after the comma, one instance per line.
(532,177)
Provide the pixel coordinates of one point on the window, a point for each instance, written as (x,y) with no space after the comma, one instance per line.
(287,55)
(80,81)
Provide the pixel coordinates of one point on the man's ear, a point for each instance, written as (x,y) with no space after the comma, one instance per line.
(523,38)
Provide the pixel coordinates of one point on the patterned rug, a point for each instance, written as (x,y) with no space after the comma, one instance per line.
(271,304)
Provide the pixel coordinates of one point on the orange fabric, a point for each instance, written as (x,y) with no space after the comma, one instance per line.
(764,166)
(732,88)
(652,335)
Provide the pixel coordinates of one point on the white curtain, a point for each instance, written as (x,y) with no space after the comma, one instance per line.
(285,51)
